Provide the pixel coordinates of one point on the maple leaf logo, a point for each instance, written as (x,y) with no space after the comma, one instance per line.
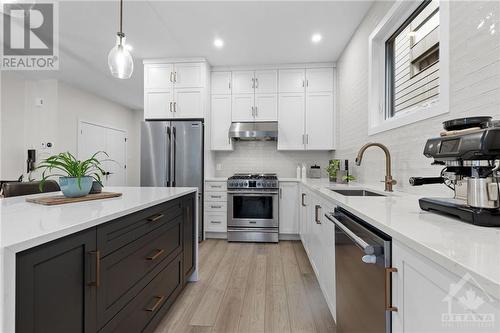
(470,301)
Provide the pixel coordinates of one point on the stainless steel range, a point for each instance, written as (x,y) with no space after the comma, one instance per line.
(252,208)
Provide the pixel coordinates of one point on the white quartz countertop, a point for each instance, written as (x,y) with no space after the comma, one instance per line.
(24,225)
(458,246)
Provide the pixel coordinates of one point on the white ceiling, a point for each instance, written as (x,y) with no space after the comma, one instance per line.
(255,32)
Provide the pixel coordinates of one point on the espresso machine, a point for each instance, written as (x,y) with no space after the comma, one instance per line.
(469,151)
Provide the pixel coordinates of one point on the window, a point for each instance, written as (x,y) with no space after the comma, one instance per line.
(408,74)
(412,55)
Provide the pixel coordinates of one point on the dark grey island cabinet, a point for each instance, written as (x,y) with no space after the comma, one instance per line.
(121,276)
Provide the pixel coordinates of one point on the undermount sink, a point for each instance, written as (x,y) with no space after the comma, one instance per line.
(358,193)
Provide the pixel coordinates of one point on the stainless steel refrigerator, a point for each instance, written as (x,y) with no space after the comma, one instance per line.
(172,156)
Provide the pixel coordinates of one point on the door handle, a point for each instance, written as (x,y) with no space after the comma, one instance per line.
(174,135)
(168,156)
(317,208)
(159,300)
(97,282)
(158,253)
(155,218)
(303,199)
(388,293)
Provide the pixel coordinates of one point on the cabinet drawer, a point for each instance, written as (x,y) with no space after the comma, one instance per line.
(215,186)
(145,311)
(214,206)
(116,234)
(216,222)
(216,196)
(123,271)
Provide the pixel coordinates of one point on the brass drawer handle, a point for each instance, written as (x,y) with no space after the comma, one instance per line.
(388,303)
(157,303)
(97,281)
(158,253)
(155,218)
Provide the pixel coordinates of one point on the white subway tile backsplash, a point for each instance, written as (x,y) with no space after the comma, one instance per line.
(263,156)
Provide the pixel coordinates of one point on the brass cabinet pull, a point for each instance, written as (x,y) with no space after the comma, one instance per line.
(158,253)
(303,199)
(388,302)
(159,300)
(97,281)
(155,218)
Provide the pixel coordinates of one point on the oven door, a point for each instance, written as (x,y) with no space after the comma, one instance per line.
(252,210)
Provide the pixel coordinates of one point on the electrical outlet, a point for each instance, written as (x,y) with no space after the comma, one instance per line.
(43,145)
(219,166)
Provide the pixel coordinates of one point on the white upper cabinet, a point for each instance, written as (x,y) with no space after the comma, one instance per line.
(188,103)
(158,104)
(319,121)
(175,90)
(291,80)
(243,107)
(266,82)
(221,83)
(243,82)
(158,76)
(291,121)
(189,75)
(266,107)
(221,121)
(319,79)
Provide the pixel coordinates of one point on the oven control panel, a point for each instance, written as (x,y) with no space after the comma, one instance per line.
(252,184)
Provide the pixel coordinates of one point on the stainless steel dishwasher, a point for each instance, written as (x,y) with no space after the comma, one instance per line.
(363,275)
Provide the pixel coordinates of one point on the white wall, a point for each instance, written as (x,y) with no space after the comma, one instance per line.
(263,156)
(26,126)
(474,90)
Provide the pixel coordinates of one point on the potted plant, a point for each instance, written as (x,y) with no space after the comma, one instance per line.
(332,169)
(75,177)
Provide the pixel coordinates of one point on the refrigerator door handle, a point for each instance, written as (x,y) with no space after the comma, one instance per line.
(174,141)
(168,155)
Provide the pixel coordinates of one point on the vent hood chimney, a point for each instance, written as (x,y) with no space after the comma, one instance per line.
(255,131)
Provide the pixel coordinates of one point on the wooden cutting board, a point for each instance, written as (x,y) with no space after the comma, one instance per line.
(61,199)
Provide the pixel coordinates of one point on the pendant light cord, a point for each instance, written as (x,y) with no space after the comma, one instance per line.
(121,16)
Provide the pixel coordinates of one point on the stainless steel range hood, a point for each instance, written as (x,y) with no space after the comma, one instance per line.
(262,131)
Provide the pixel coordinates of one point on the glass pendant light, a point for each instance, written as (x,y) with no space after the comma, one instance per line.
(120,60)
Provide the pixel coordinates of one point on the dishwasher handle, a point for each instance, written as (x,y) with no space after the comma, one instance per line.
(367,248)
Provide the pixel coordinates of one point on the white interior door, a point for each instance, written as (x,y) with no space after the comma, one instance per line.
(93,138)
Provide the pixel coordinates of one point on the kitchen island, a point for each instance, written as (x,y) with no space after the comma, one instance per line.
(127,247)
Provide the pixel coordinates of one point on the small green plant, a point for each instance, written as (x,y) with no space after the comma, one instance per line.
(66,165)
(348,178)
(332,168)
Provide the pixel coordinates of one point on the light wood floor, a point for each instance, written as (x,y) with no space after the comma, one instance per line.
(246,287)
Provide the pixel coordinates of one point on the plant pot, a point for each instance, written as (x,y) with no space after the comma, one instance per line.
(333,179)
(69,186)
(96,188)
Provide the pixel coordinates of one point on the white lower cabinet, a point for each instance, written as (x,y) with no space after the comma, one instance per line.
(288,208)
(430,298)
(318,237)
(215,206)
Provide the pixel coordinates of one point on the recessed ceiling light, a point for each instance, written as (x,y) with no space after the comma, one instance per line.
(316,38)
(218,43)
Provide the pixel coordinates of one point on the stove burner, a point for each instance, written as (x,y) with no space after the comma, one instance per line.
(253,181)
